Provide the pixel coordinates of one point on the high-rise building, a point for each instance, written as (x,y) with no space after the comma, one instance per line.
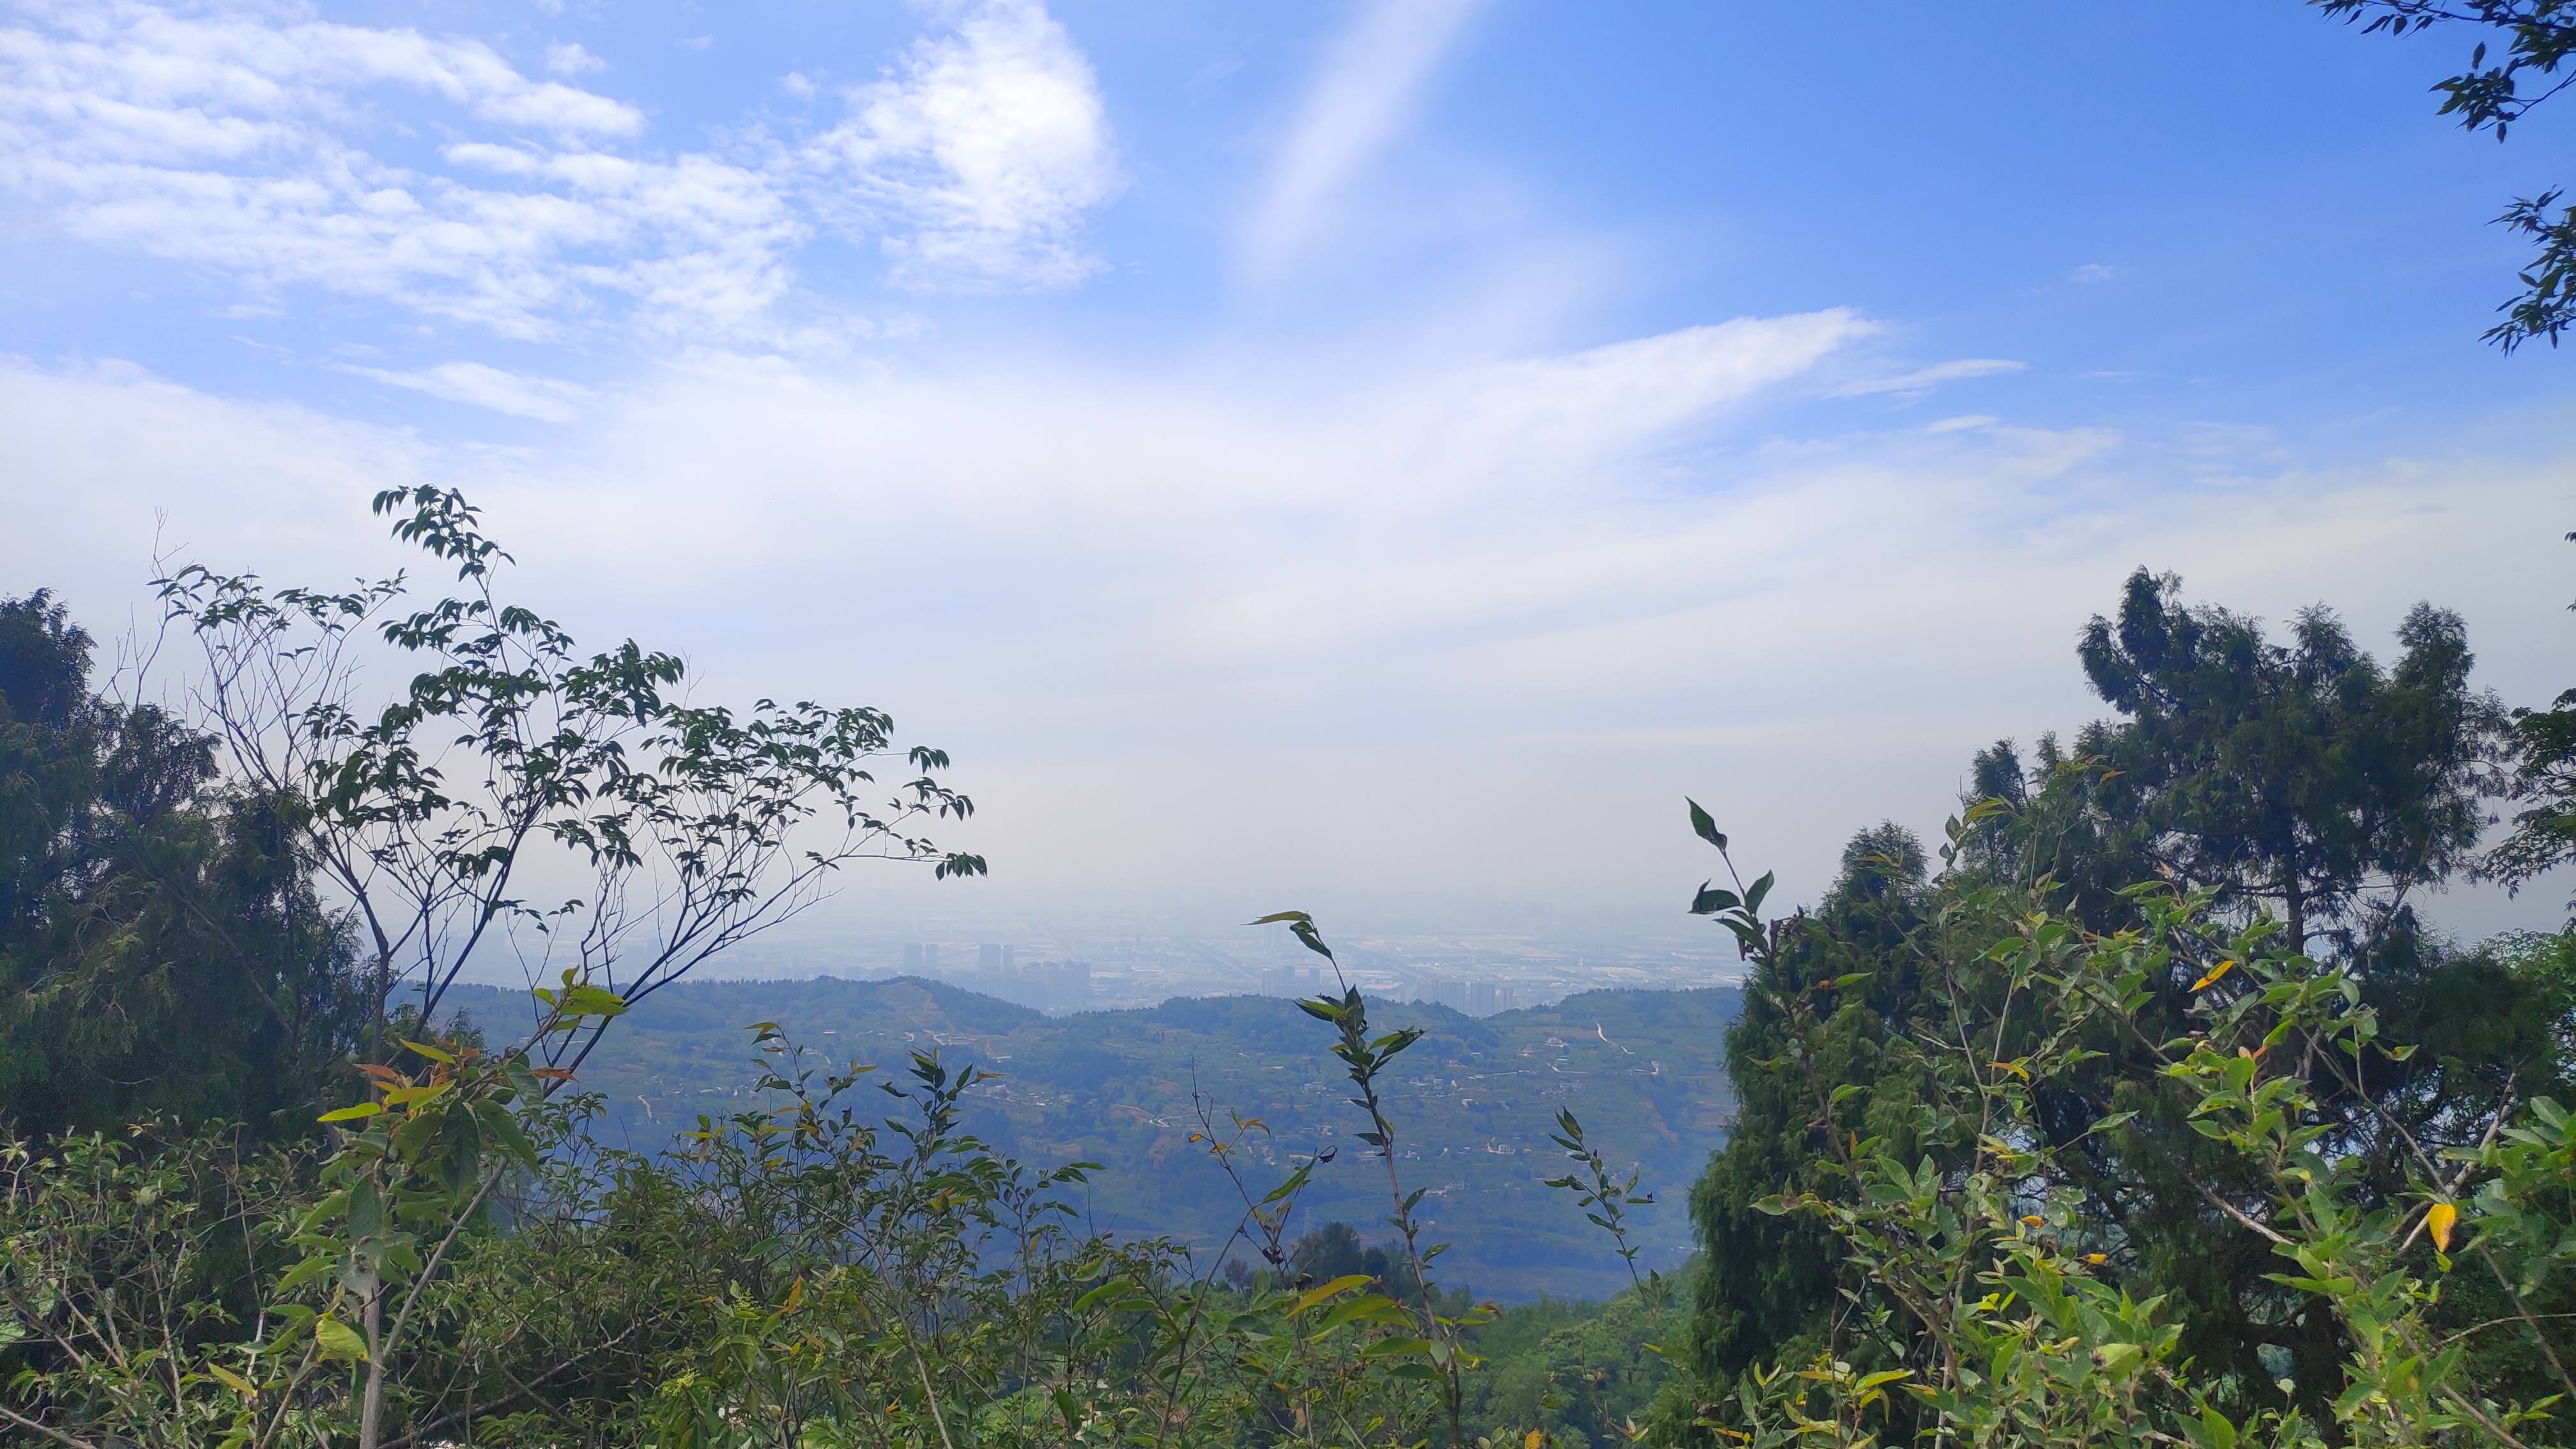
(912,958)
(1291,980)
(1472,998)
(930,958)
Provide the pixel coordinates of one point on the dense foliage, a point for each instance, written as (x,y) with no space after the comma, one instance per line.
(2295,791)
(162,948)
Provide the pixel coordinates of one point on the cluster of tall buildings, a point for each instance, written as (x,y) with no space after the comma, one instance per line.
(1291,980)
(1068,984)
(1474,998)
(999,972)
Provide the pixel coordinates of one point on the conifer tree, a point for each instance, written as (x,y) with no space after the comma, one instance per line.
(161,949)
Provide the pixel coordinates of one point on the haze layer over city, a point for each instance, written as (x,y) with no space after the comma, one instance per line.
(1477,959)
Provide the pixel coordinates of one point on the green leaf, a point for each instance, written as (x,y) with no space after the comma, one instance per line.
(1314,940)
(1366,1308)
(366,1212)
(2216,1431)
(352,1114)
(1884,1376)
(503,1126)
(1701,824)
(1103,1293)
(1277,916)
(1289,1188)
(588,1000)
(303,1273)
(1709,902)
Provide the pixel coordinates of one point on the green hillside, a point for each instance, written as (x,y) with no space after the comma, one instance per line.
(1475,1100)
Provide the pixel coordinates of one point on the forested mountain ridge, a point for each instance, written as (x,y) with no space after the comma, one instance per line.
(1477,1098)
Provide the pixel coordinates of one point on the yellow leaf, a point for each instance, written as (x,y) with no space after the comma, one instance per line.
(2096,1259)
(1537,1439)
(2221,969)
(2016,1068)
(1318,1294)
(338,1340)
(2440,1219)
(2033,1222)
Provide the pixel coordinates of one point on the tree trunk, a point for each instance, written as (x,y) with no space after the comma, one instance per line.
(371,1412)
(2295,904)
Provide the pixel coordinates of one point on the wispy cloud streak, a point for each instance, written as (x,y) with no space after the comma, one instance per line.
(1369,82)
(476,384)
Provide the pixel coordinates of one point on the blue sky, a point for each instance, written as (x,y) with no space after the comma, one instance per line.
(1348,448)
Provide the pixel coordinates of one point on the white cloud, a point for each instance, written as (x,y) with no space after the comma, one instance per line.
(1924,379)
(569,58)
(2097,272)
(1641,387)
(1207,633)
(284,152)
(1367,87)
(120,72)
(475,384)
(977,158)
(231,138)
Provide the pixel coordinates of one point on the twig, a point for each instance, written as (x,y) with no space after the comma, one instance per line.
(2223,1205)
(57,1435)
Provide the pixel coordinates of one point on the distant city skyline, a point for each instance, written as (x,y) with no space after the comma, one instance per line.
(1069,962)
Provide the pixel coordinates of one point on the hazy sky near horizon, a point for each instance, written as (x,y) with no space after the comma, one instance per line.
(1314,451)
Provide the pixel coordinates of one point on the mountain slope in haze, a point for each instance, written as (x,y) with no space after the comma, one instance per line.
(1474,1102)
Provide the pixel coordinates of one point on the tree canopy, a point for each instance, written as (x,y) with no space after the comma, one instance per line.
(2297,782)
(162,949)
